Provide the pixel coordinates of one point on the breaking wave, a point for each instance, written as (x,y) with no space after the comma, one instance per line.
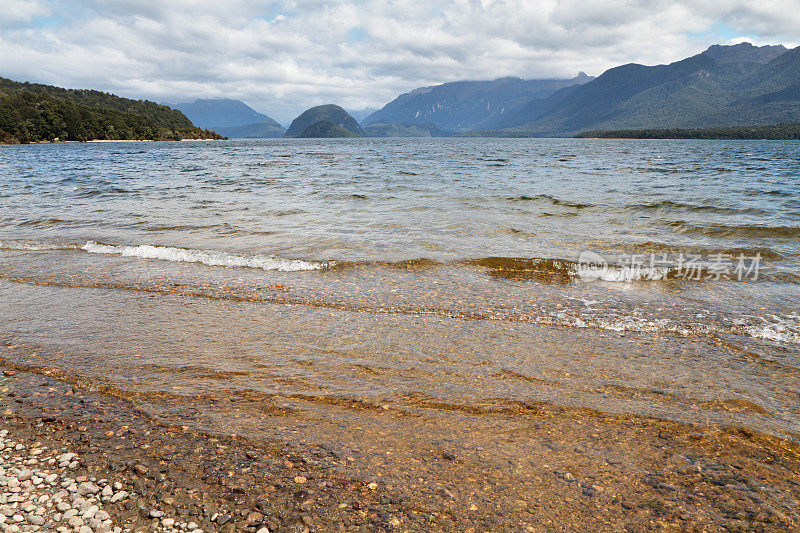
(34,246)
(774,328)
(205,257)
(564,271)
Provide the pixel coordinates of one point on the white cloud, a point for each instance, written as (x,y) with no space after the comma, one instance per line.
(286,55)
(20,12)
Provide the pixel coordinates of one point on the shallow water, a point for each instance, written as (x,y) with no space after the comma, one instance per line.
(324,279)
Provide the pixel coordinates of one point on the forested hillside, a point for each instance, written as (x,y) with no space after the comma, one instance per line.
(724,86)
(32,112)
(776,132)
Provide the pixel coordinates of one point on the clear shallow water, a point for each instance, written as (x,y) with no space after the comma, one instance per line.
(439,274)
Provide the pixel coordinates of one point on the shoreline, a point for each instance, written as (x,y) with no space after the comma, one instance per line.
(142,140)
(110,141)
(657,474)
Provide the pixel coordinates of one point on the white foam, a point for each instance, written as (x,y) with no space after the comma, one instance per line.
(34,246)
(621,323)
(206,257)
(785,329)
(621,274)
(779,329)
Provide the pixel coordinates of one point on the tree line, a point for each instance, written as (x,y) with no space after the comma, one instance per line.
(773,132)
(38,113)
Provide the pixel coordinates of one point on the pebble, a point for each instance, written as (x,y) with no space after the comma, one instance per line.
(86,488)
(40,491)
(37,493)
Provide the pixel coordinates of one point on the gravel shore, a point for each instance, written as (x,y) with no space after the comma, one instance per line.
(74,460)
(40,493)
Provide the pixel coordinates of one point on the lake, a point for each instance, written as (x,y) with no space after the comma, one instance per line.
(327,280)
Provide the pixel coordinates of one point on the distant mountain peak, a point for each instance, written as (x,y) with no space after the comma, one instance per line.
(222,113)
(422,90)
(744,52)
(466,105)
(732,85)
(332,113)
(325,129)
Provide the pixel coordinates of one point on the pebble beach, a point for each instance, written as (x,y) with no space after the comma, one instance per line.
(74,460)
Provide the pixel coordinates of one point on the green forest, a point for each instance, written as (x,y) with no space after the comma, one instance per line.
(37,113)
(774,132)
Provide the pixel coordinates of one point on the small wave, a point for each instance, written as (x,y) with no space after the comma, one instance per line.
(779,329)
(785,329)
(206,257)
(34,246)
(549,199)
(44,222)
(564,271)
(568,214)
(660,248)
(741,231)
(419,264)
(670,205)
(515,231)
(544,270)
(89,192)
(629,274)
(708,251)
(772,334)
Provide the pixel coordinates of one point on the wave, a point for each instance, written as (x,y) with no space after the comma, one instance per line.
(774,328)
(420,264)
(772,333)
(660,248)
(549,199)
(543,270)
(707,251)
(670,205)
(46,222)
(564,271)
(34,246)
(781,329)
(740,231)
(206,257)
(593,267)
(91,192)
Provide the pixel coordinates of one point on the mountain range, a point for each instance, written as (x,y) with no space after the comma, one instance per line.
(467,105)
(231,118)
(723,86)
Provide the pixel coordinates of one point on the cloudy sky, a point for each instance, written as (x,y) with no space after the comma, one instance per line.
(282,57)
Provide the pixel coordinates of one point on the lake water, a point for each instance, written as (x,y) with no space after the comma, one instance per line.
(319,280)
